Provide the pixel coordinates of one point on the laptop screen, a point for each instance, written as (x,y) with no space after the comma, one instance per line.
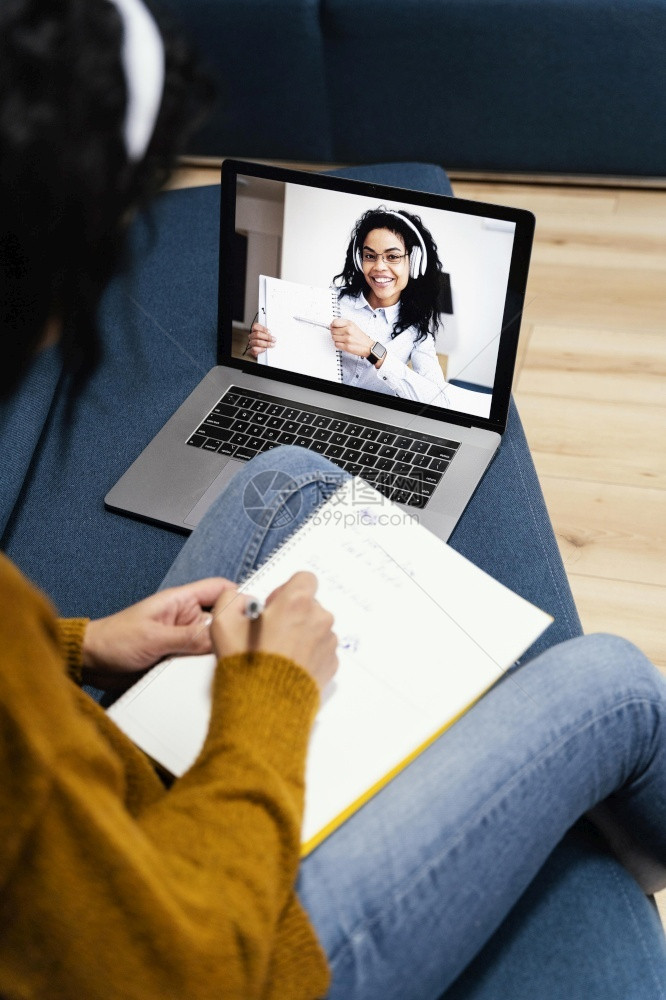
(393,296)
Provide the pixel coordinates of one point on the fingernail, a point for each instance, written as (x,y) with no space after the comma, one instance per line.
(208,621)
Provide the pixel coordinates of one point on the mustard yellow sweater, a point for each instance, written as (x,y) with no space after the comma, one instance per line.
(112,887)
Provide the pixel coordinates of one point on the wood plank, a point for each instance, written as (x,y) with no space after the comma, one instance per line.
(563,182)
(540,200)
(621,240)
(636,389)
(634,610)
(608,227)
(568,295)
(595,440)
(637,204)
(599,229)
(596,363)
(586,227)
(193,177)
(562,245)
(599,349)
(609,531)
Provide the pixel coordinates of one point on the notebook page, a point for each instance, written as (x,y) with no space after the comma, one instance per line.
(299,317)
(422,634)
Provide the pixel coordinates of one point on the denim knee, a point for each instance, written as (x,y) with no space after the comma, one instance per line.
(623,659)
(293,460)
(605,672)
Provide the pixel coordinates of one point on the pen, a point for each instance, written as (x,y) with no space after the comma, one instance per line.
(311,322)
(253,609)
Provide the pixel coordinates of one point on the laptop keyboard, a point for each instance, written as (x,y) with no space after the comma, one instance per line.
(405,467)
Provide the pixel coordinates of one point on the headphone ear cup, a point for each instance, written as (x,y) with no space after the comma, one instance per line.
(415,262)
(357,259)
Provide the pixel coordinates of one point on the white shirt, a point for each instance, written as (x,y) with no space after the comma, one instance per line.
(424,382)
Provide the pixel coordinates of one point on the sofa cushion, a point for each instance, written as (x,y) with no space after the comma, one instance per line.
(267,62)
(572,86)
(525,85)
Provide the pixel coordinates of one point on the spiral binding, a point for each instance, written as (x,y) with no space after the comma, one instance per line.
(289,541)
(335,303)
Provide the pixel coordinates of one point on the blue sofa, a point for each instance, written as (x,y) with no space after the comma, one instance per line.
(550,86)
(161,314)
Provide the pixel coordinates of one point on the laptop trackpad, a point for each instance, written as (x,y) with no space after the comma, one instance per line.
(212,493)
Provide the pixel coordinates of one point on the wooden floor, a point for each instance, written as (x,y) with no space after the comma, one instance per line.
(591,390)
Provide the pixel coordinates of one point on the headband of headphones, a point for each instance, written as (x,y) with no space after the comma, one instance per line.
(142,57)
(418,257)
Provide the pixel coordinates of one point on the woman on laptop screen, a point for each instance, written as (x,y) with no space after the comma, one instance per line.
(390,297)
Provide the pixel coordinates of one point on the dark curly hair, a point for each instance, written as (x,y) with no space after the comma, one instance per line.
(420,299)
(66,185)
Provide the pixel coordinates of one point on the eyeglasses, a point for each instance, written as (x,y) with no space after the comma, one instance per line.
(389,258)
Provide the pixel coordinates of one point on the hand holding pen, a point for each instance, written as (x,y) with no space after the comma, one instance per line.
(253,609)
(292,623)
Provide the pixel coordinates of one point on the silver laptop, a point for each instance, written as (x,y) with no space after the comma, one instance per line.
(421,417)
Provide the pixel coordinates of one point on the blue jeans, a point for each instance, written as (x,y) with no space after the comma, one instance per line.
(435,868)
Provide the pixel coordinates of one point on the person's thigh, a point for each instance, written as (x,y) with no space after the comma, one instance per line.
(406,892)
(263,505)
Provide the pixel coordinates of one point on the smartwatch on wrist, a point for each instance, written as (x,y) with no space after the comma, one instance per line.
(377,352)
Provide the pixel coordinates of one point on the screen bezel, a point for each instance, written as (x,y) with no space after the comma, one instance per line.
(513,305)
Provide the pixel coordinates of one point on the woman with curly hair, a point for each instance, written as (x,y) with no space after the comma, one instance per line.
(389,292)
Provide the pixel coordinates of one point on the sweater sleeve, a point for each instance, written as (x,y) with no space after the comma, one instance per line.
(192,894)
(70,639)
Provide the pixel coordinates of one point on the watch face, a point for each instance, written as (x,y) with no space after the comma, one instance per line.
(378,350)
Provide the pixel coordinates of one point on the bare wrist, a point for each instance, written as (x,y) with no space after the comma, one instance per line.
(90,660)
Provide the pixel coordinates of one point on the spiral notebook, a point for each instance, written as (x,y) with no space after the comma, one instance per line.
(299,317)
(422,633)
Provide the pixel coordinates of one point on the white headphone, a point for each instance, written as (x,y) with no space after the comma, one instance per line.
(418,256)
(142,56)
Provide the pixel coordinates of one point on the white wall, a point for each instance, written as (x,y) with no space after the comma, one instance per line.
(260,217)
(476,252)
